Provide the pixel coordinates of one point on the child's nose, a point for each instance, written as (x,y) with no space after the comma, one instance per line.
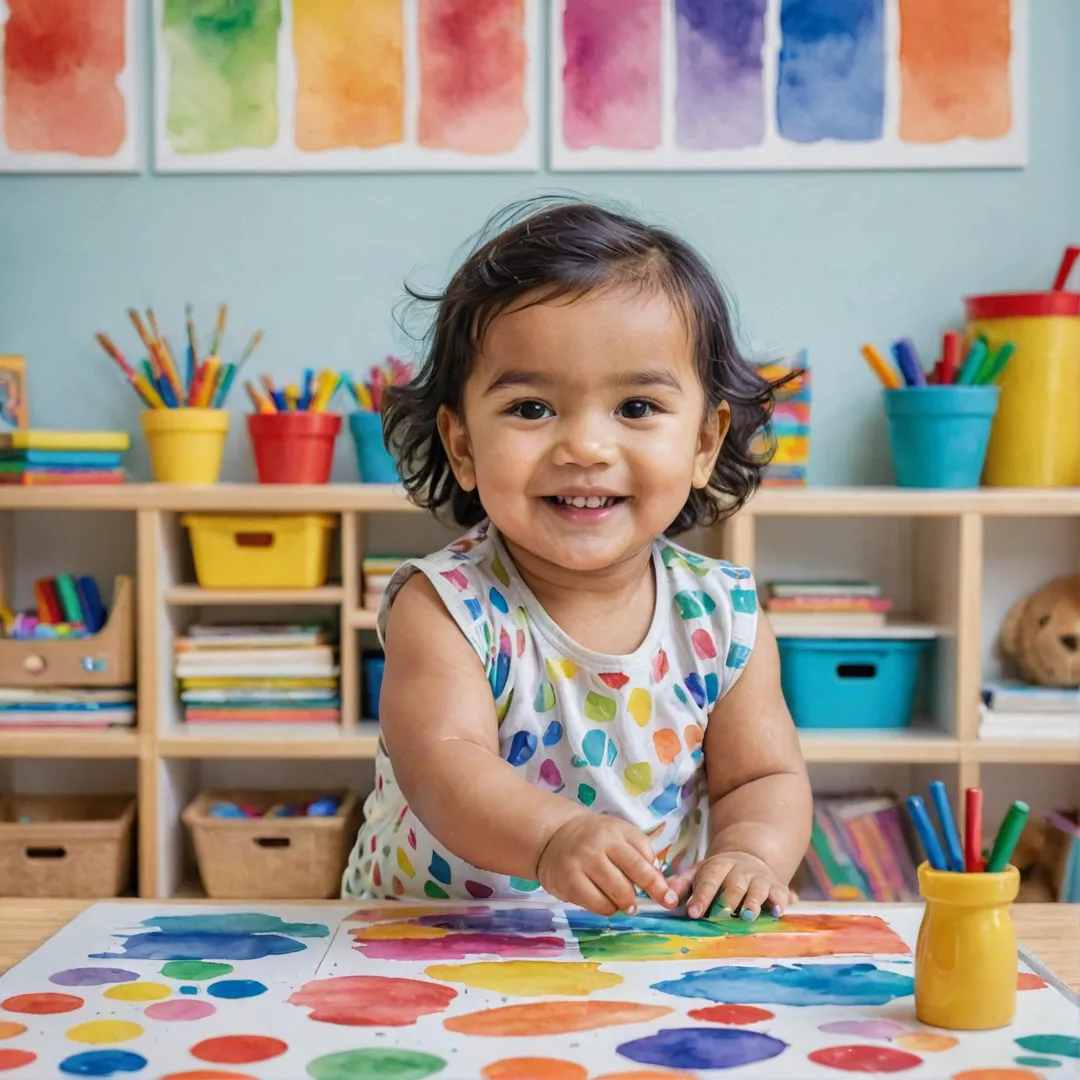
(1069,641)
(583,441)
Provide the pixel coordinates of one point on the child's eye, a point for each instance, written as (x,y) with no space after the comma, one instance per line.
(637,409)
(531,410)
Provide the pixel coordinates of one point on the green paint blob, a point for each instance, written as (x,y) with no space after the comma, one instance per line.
(1038,1063)
(586,794)
(194,970)
(375,1064)
(436,892)
(1062,1045)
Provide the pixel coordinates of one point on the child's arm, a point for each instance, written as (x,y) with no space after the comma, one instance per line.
(438,721)
(760,806)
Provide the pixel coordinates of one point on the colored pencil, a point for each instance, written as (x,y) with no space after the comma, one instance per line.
(973,860)
(249,349)
(219,329)
(193,345)
(881,368)
(954,857)
(1007,836)
(925,830)
(140,384)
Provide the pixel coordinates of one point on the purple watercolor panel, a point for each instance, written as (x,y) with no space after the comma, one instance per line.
(719,96)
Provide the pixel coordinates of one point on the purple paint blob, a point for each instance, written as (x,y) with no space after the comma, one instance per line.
(864,1029)
(487,920)
(180,1009)
(199,945)
(459,946)
(719,100)
(702,1048)
(92,976)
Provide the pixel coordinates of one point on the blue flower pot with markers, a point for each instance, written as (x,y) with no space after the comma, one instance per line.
(939,434)
(376,463)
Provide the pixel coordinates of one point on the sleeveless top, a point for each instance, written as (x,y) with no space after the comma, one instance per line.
(620,735)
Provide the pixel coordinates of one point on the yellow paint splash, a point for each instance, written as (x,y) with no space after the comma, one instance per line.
(138,991)
(397,931)
(104,1031)
(528,978)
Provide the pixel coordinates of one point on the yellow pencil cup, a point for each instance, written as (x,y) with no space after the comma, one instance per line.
(1035,440)
(185,444)
(965,957)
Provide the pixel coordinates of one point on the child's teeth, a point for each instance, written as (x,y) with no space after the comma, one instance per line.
(581,502)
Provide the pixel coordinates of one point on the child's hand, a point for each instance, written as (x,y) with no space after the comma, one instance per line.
(739,879)
(597,861)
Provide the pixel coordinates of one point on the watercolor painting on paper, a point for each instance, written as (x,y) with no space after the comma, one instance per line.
(336,85)
(787,84)
(498,991)
(68,74)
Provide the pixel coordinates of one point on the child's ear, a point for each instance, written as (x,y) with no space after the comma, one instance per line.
(710,440)
(455,440)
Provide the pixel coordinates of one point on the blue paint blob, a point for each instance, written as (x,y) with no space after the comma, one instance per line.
(799,984)
(666,801)
(238,922)
(1038,1062)
(189,989)
(702,1048)
(102,1063)
(522,747)
(234,989)
(553,733)
(498,601)
(439,868)
(697,688)
(202,946)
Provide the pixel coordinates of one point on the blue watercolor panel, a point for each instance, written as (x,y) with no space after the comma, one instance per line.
(702,1048)
(103,1063)
(202,946)
(831,82)
(799,984)
(236,922)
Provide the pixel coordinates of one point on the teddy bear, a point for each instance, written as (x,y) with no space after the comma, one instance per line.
(1041,634)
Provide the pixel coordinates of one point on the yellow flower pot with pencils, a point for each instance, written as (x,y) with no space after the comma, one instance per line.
(185,421)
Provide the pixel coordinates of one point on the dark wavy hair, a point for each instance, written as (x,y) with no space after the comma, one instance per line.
(552,248)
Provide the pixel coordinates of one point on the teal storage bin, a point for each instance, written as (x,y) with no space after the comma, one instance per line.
(850,682)
(373,666)
(375,462)
(939,434)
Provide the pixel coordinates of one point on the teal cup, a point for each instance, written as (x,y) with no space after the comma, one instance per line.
(939,434)
(376,463)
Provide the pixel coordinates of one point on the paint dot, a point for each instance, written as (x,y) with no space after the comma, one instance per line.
(92,976)
(1062,1045)
(102,1063)
(42,1004)
(234,989)
(865,1059)
(104,1031)
(195,970)
(1028,980)
(9,1029)
(189,989)
(16,1059)
(533,1068)
(375,1064)
(139,991)
(528,978)
(553,1017)
(180,1009)
(731,1014)
(478,891)
(702,1048)
(929,1042)
(864,1029)
(996,1074)
(238,1049)
(1039,1063)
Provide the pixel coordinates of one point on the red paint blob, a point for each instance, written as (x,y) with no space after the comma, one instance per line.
(15,1059)
(865,1059)
(1028,980)
(732,1014)
(238,1049)
(42,1004)
(372,1000)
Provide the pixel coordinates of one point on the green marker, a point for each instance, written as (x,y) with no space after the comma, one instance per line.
(995,365)
(973,363)
(1007,836)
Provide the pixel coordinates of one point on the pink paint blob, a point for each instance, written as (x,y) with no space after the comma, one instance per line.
(459,946)
(180,1009)
(864,1029)
(372,1000)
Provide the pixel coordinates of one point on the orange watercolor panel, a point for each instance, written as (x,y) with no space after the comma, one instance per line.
(954,70)
(553,1018)
(350,67)
(533,1068)
(61,62)
(9,1029)
(473,60)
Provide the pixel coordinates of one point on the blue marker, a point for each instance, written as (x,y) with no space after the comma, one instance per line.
(954,856)
(925,828)
(908,362)
(308,392)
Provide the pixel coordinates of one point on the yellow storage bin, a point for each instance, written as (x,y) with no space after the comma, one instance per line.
(260,551)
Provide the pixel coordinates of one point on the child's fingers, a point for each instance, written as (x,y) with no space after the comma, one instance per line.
(680,884)
(779,900)
(735,885)
(707,884)
(615,885)
(757,892)
(643,874)
(588,896)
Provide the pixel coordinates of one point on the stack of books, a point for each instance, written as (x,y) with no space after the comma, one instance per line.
(377,571)
(76,710)
(860,851)
(790,422)
(1015,710)
(841,605)
(258,674)
(62,457)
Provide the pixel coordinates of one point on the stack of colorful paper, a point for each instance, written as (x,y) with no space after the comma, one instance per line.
(842,605)
(378,570)
(790,422)
(258,674)
(62,457)
(83,710)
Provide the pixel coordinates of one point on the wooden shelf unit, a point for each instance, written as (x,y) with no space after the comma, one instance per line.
(948,534)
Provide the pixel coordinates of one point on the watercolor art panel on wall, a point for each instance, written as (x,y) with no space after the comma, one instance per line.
(68,73)
(788,84)
(495,991)
(336,85)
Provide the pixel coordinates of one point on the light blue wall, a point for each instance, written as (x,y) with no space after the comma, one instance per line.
(826,260)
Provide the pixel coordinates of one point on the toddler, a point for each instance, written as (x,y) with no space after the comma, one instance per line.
(573,705)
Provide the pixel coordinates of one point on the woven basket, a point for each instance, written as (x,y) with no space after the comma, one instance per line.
(271,858)
(72,845)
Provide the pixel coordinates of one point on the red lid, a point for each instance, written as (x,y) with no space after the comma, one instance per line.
(1014,305)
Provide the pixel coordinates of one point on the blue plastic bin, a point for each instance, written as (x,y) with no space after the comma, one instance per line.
(850,682)
(375,462)
(373,676)
(939,434)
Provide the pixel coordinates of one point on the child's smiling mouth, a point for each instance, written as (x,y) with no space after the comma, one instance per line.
(584,507)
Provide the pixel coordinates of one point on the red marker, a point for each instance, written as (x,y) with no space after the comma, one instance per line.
(973,861)
(951,348)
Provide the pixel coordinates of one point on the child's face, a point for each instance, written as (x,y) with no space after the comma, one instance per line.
(599,398)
